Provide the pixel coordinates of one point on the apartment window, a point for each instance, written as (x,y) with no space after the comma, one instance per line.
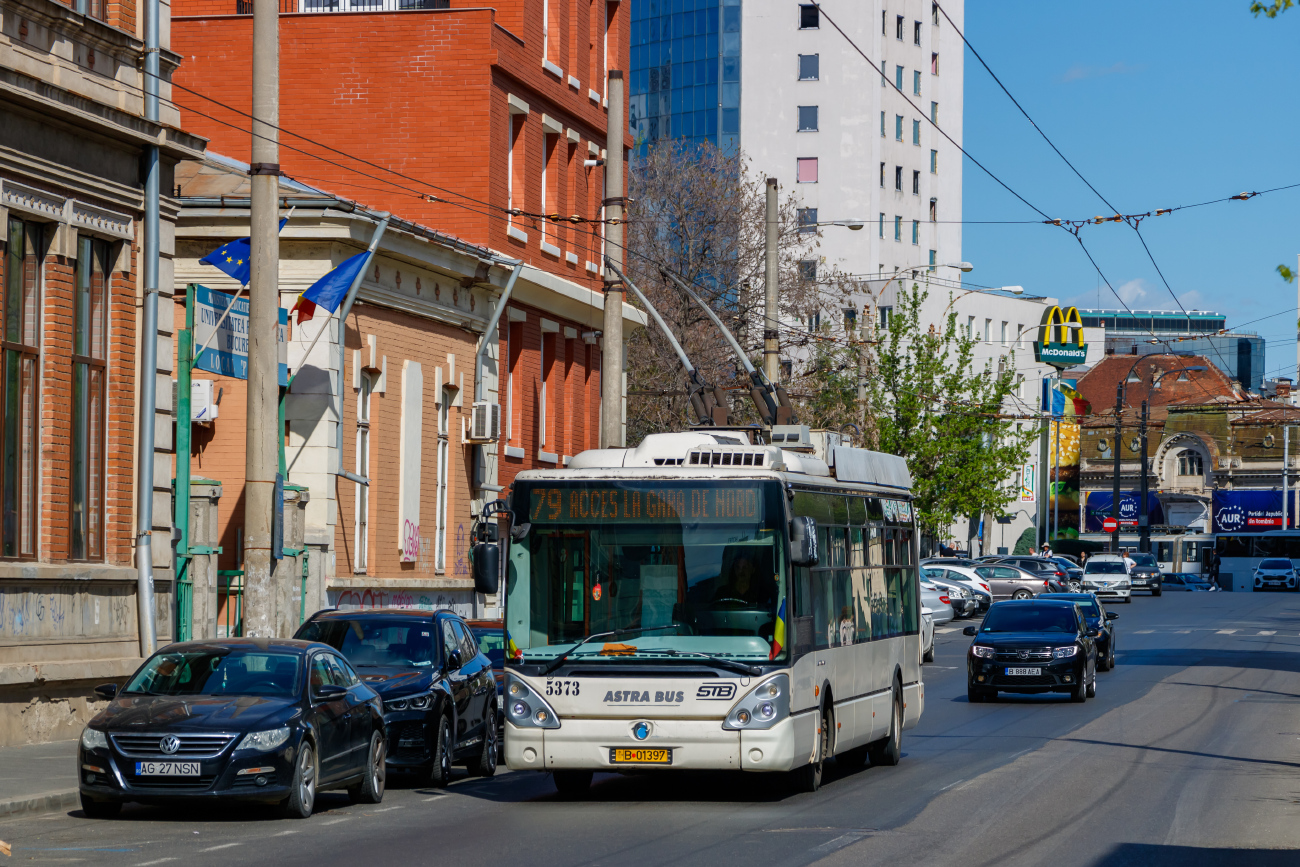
(934,162)
(18,390)
(444,470)
(916,82)
(808,18)
(882,223)
(898,127)
(89,358)
(898,178)
(898,228)
(970,327)
(884,316)
(1020,333)
(916,133)
(988,330)
(807,118)
(1190,463)
(934,210)
(916,231)
(515,165)
(882,176)
(916,183)
(808,270)
(1003,341)
(806,170)
(884,73)
(898,78)
(934,113)
(933,259)
(514,406)
(550,187)
(882,124)
(807,219)
(916,32)
(808,67)
(884,23)
(934,64)
(898,28)
(934,13)
(361,558)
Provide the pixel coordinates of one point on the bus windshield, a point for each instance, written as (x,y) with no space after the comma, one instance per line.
(677,567)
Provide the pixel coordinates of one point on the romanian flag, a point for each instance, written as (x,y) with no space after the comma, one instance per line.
(330,290)
(778,632)
(1068,402)
(512,650)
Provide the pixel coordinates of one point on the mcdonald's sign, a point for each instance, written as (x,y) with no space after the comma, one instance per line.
(1068,349)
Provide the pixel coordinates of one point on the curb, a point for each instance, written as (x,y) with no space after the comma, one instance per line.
(46,802)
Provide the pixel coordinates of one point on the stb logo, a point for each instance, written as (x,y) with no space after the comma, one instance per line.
(1060,339)
(716,691)
(169,744)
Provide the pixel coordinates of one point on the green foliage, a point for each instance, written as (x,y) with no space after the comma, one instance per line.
(1271,10)
(829,387)
(936,408)
(1286,273)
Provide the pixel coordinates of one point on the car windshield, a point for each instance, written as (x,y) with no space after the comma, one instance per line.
(376,642)
(492,641)
(1087,603)
(218,671)
(1106,567)
(1143,559)
(1030,618)
(1275,564)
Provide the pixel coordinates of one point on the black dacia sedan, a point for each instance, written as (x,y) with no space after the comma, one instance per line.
(1032,646)
(439,693)
(1101,624)
(267,720)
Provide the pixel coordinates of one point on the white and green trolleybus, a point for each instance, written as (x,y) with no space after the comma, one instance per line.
(703,601)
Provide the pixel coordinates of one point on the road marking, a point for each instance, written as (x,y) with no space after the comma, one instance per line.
(1227,631)
(1268,632)
(387,809)
(434,798)
(222,846)
(284,833)
(950,785)
(151,863)
(335,821)
(1182,632)
(1144,632)
(840,842)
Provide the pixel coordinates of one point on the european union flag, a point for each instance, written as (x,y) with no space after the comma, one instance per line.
(233,258)
(330,290)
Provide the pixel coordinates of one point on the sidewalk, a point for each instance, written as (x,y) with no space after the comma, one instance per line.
(38,778)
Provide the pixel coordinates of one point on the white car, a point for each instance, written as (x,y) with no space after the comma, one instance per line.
(927,635)
(1275,573)
(967,576)
(1106,576)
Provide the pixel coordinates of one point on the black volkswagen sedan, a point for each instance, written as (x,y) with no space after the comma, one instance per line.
(1101,624)
(439,694)
(1032,646)
(268,720)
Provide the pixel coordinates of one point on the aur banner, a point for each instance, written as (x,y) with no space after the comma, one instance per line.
(1250,511)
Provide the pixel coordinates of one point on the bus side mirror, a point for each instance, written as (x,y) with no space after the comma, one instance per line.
(487,567)
(803,541)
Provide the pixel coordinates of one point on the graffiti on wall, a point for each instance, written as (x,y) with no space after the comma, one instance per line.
(353,600)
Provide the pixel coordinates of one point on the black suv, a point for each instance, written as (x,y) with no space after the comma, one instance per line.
(439,694)
(1145,572)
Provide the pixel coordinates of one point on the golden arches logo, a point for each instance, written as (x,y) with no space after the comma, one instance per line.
(1064,321)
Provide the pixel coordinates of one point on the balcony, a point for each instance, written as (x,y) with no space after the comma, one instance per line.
(245,7)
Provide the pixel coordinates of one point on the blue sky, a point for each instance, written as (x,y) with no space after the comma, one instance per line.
(1158,105)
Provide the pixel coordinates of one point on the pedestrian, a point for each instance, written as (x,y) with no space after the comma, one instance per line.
(1047,550)
(1083,558)
(1129,562)
(1214,566)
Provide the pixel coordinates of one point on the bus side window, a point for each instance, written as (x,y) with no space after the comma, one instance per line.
(862,600)
(803,610)
(875,546)
(824,625)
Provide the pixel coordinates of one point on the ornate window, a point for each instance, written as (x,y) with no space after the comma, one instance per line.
(19,378)
(1189,463)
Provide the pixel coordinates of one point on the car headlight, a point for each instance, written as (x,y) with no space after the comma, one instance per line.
(526,709)
(762,707)
(264,741)
(1065,652)
(981,651)
(93,739)
(423,701)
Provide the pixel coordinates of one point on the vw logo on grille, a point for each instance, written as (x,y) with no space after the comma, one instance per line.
(1023,654)
(641,730)
(169,744)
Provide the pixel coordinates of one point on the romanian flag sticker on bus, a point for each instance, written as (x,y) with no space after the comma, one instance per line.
(512,649)
(778,632)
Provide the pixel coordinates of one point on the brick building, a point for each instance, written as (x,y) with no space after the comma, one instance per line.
(72,136)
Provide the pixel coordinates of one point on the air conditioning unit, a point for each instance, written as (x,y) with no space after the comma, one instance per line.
(485,422)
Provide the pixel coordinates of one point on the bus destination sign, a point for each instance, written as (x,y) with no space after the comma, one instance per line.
(581,505)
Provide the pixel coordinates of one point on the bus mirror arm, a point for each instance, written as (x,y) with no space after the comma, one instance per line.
(519,532)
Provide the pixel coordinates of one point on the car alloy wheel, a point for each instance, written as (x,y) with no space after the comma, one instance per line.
(442,755)
(302,797)
(1021,594)
(371,789)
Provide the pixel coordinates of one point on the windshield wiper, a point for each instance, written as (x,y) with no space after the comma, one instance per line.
(729,664)
(555,663)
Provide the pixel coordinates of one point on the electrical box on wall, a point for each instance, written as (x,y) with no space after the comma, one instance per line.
(203,401)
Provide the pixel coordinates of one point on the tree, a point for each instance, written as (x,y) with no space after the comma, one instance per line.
(1271,10)
(933,406)
(700,213)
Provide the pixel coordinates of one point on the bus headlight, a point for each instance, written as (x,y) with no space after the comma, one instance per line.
(762,707)
(526,709)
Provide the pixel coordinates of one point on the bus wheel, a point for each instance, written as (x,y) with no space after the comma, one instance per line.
(889,750)
(809,777)
(572,784)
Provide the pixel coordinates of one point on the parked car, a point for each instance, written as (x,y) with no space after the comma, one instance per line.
(1073,571)
(1107,577)
(1101,624)
(439,694)
(1144,574)
(927,635)
(1031,646)
(960,597)
(491,638)
(967,577)
(1012,582)
(948,561)
(937,601)
(1275,573)
(268,720)
(1188,581)
(1044,566)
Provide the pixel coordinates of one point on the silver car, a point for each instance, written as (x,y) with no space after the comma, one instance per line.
(1106,576)
(927,635)
(960,597)
(937,601)
(1012,582)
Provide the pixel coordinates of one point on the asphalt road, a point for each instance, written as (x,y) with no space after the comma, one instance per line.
(1189,755)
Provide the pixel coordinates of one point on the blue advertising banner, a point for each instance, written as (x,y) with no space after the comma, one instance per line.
(1250,511)
(227,352)
(1097,509)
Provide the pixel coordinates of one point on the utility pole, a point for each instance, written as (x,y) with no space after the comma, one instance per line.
(611,361)
(1044,465)
(1144,516)
(1119,431)
(1286,459)
(262,458)
(771,336)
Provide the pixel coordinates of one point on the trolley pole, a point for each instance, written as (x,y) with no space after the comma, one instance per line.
(611,362)
(263,452)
